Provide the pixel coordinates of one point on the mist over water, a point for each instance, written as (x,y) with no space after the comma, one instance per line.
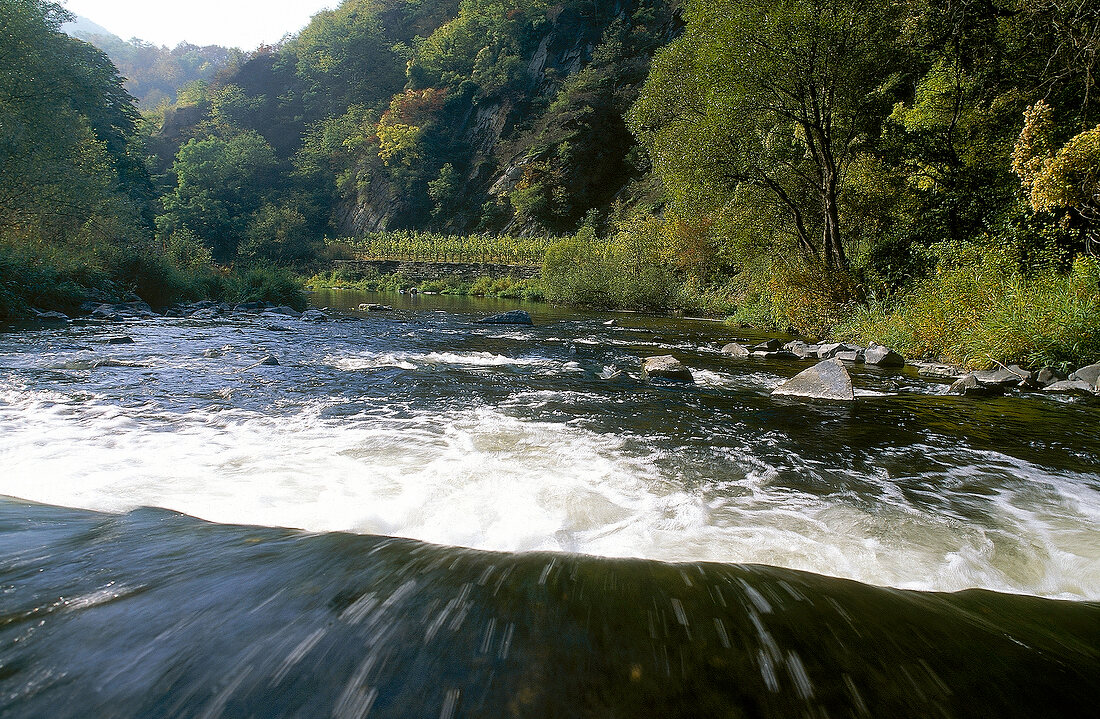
(417,515)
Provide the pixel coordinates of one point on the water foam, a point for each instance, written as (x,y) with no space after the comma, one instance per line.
(489,478)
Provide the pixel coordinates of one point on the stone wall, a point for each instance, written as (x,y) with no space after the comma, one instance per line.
(439,270)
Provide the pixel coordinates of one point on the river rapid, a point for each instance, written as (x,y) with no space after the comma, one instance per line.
(417,515)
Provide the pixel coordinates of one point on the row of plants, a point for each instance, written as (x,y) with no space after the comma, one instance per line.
(412,246)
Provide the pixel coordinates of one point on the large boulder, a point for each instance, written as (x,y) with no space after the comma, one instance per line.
(880,356)
(772,345)
(665,367)
(1090,374)
(1071,386)
(513,317)
(825,380)
(1012,376)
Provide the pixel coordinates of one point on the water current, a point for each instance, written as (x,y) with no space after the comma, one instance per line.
(416,515)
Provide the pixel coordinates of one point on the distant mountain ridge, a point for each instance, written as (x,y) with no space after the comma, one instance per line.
(154,75)
(84,29)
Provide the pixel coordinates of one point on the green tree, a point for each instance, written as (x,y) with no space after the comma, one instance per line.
(219,184)
(778,95)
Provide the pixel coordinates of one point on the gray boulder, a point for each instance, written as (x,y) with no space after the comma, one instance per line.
(269,361)
(733,349)
(514,317)
(1071,386)
(665,367)
(830,350)
(970,386)
(938,370)
(1012,376)
(825,380)
(50,316)
(1047,376)
(880,356)
(800,349)
(849,355)
(1090,374)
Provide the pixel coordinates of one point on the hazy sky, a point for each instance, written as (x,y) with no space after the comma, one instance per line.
(233,23)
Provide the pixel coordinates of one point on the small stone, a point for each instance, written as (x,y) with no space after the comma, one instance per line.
(269,361)
(514,317)
(733,349)
(665,367)
(849,356)
(825,380)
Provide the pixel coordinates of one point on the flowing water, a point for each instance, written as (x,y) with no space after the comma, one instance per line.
(417,515)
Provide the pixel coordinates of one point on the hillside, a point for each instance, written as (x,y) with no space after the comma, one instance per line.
(484,115)
(153,75)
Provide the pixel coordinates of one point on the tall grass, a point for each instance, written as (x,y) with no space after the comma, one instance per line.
(979,309)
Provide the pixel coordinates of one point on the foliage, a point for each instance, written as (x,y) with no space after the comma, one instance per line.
(775,95)
(978,308)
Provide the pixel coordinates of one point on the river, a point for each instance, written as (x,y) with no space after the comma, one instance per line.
(417,515)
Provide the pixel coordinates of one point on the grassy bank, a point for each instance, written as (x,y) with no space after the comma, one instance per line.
(63,280)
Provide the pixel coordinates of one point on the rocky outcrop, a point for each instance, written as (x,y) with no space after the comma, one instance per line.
(513,317)
(665,367)
(825,380)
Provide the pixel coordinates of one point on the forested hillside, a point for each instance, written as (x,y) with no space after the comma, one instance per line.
(924,173)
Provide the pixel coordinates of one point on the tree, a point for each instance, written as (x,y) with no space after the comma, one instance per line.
(219,184)
(777,95)
(68,166)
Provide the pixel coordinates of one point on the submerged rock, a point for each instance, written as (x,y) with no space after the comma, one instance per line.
(880,356)
(827,379)
(375,307)
(283,310)
(971,386)
(123,340)
(269,361)
(733,349)
(665,367)
(50,316)
(514,317)
(314,316)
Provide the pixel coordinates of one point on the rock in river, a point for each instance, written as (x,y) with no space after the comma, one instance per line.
(825,380)
(734,349)
(514,317)
(882,356)
(665,367)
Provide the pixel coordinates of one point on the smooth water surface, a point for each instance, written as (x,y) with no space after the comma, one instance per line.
(541,445)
